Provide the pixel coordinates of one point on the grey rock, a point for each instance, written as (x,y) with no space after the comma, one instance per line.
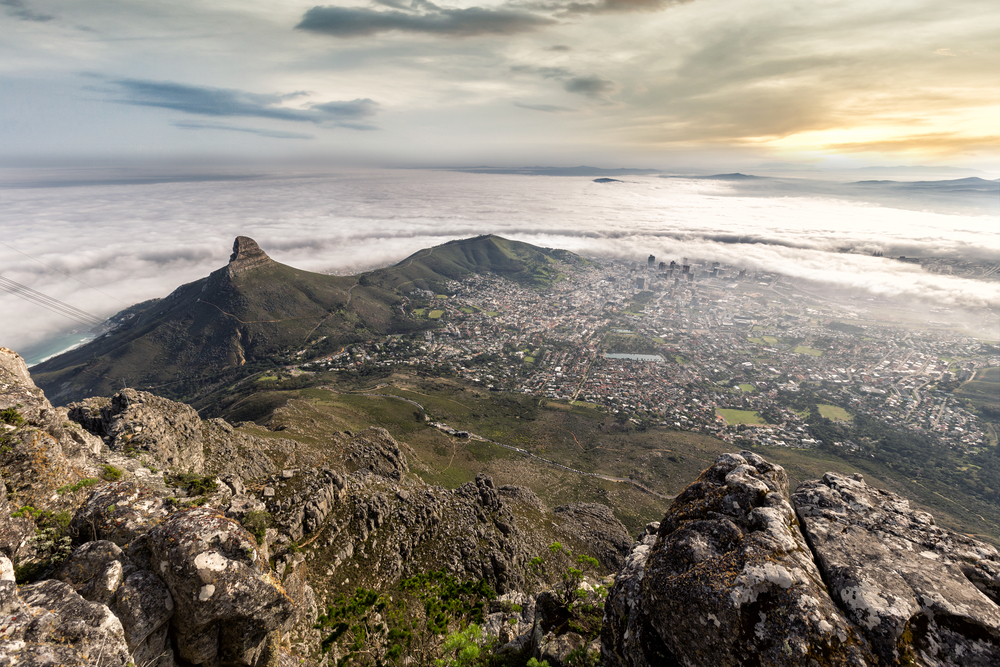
(159,431)
(144,606)
(730,579)
(594,523)
(226,598)
(378,452)
(627,637)
(14,531)
(58,627)
(909,585)
(119,512)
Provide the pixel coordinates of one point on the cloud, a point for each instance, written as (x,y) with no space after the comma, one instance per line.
(248,130)
(617,6)
(19,10)
(548,108)
(139,241)
(558,47)
(591,86)
(207,101)
(423,18)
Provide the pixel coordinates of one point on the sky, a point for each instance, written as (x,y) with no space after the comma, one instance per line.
(697,85)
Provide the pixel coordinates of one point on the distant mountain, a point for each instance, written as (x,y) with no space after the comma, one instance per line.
(736,176)
(557,171)
(970,184)
(256,312)
(523,263)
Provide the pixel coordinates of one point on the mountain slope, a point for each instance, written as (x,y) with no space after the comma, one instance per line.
(521,262)
(256,312)
(249,310)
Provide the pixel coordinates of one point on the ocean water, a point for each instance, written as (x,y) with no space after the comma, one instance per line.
(102,247)
(54,345)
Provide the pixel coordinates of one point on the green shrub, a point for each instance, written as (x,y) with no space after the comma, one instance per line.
(111,473)
(256,522)
(11,416)
(83,483)
(195,484)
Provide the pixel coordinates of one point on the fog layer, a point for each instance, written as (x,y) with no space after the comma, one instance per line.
(102,247)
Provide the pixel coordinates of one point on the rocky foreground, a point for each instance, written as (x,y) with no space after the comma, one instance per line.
(134,533)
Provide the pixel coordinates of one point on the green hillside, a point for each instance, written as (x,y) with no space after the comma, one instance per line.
(431,267)
(255,313)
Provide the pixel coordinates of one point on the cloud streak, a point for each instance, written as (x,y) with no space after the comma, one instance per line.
(229,102)
(275,134)
(424,18)
(21,11)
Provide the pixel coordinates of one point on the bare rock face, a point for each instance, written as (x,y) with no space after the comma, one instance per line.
(378,452)
(118,512)
(246,255)
(18,390)
(922,595)
(731,581)
(161,432)
(39,451)
(597,525)
(49,623)
(102,573)
(14,531)
(627,636)
(226,596)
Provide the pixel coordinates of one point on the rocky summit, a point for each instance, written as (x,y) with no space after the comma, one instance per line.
(132,532)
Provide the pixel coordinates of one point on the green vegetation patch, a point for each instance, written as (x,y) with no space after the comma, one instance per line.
(435,314)
(834,412)
(749,388)
(812,352)
(739,416)
(619,343)
(441,296)
(82,484)
(11,416)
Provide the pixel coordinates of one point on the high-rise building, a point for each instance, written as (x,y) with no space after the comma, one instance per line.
(663,266)
(651,262)
(640,283)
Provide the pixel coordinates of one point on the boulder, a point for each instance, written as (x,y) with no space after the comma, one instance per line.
(920,594)
(227,600)
(119,512)
(378,452)
(730,580)
(160,432)
(14,531)
(627,637)
(52,624)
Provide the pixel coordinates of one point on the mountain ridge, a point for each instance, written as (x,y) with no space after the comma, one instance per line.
(255,310)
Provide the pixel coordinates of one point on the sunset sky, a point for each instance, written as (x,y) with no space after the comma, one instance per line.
(636,83)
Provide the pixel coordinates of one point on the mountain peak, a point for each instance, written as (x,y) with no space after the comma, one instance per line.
(246,255)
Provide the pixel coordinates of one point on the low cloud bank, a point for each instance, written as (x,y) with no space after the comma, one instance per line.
(129,243)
